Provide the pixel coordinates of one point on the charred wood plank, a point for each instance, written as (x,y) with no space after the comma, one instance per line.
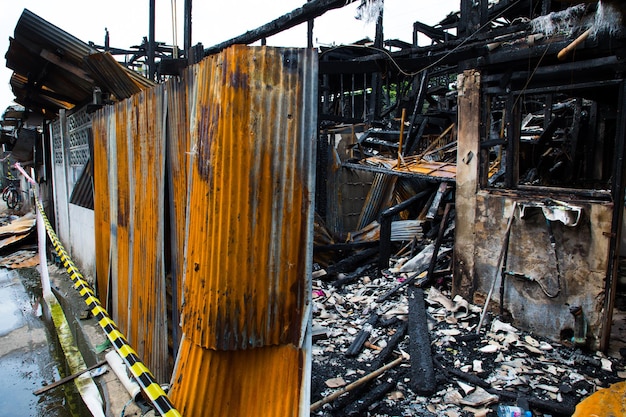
(361,337)
(350,278)
(433,259)
(361,405)
(393,341)
(352,262)
(359,382)
(422,371)
(432,32)
(303,14)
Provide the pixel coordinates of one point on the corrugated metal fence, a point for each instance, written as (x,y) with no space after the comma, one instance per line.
(204,189)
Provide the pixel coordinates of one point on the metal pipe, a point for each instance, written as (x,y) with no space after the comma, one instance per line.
(151,40)
(187,28)
(117,365)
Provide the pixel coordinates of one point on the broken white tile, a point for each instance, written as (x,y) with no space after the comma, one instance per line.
(477,412)
(477,366)
(607,365)
(479,397)
(335,382)
(396,395)
(452,397)
(452,413)
(545,346)
(490,348)
(467,389)
(500,326)
(450,332)
(531,341)
(548,388)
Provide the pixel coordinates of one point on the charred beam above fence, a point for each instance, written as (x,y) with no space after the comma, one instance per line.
(303,14)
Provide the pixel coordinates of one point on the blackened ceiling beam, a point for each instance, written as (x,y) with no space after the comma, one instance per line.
(303,14)
(434,33)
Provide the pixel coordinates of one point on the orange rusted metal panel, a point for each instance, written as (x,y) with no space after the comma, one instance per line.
(255,382)
(177,159)
(147,302)
(120,216)
(134,157)
(249,234)
(101,204)
(251,193)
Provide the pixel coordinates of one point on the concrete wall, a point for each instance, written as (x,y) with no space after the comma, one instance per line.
(82,245)
(544,285)
(74,225)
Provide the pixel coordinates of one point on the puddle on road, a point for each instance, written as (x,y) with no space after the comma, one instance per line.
(39,361)
(10,317)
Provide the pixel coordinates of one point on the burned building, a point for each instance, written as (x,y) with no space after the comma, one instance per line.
(496,152)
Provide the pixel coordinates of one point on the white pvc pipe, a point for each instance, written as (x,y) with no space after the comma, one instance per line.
(119,368)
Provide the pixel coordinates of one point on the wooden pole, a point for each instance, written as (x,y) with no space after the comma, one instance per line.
(67,378)
(355,384)
(569,48)
(505,244)
(401,136)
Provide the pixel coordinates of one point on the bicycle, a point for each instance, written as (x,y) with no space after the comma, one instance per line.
(11,195)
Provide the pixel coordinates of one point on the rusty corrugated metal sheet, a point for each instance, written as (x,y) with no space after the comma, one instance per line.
(37,43)
(252,172)
(135,162)
(121,218)
(114,77)
(250,231)
(147,302)
(101,203)
(177,168)
(256,382)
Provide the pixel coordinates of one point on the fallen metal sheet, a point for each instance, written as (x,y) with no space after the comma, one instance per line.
(20,259)
(20,226)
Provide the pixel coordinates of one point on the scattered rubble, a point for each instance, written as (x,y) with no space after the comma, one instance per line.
(358,330)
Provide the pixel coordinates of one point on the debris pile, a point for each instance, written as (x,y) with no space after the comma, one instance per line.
(439,362)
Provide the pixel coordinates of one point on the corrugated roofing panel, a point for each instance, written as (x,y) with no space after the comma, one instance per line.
(256,382)
(114,77)
(101,203)
(135,162)
(250,222)
(147,297)
(177,167)
(33,29)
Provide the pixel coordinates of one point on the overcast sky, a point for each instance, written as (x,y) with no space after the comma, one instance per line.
(212,22)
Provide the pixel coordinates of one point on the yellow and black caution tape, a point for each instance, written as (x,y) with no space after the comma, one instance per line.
(142,374)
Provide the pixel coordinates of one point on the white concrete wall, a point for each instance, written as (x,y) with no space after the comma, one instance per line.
(82,243)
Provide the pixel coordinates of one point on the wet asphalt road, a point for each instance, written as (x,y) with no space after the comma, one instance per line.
(29,357)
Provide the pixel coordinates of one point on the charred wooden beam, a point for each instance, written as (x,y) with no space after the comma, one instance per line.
(433,33)
(392,343)
(361,405)
(303,14)
(361,337)
(352,262)
(422,371)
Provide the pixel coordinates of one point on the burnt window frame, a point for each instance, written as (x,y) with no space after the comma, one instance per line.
(510,138)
